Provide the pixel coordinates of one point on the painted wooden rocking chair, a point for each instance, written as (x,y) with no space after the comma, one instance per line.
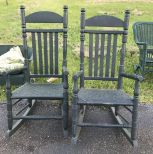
(48,48)
(105,63)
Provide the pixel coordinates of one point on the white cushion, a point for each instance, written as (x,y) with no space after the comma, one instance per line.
(12,60)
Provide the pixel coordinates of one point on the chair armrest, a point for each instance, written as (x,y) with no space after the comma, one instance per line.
(75,79)
(132,76)
(137,79)
(65,78)
(77,75)
(15,72)
(141,43)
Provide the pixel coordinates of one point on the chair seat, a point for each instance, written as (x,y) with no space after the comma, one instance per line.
(103,97)
(39,91)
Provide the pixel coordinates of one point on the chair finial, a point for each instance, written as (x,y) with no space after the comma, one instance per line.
(83,10)
(127,11)
(22,7)
(65,7)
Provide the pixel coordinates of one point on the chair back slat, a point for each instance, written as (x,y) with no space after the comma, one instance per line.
(102,54)
(56,53)
(51,52)
(108,56)
(90,53)
(40,53)
(96,55)
(45,53)
(114,56)
(34,52)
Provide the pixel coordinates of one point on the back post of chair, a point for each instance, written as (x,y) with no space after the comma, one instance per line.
(82,27)
(24,36)
(123,50)
(65,24)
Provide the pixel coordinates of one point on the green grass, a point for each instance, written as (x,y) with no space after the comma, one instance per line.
(10,32)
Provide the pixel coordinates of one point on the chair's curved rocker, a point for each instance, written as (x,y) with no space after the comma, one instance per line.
(46,53)
(102,65)
(143,36)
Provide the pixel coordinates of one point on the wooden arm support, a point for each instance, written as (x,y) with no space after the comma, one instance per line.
(65,78)
(132,76)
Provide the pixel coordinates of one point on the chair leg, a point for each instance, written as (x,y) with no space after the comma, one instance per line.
(30,102)
(9,114)
(134,124)
(74,123)
(116,110)
(65,114)
(9,103)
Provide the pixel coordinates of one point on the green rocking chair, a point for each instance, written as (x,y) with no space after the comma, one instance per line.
(49,46)
(106,38)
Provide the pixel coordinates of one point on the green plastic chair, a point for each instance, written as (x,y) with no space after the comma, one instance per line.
(143,36)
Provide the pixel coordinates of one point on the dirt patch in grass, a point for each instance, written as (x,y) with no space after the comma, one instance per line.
(137,12)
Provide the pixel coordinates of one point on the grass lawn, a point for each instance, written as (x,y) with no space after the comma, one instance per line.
(10,31)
